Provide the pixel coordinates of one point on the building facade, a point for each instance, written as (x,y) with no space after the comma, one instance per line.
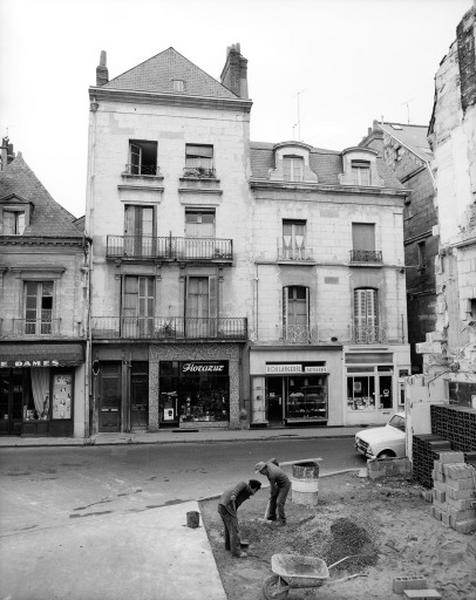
(43,295)
(450,350)
(167,206)
(406,151)
(328,331)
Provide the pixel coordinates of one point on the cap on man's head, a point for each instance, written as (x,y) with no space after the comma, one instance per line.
(259,466)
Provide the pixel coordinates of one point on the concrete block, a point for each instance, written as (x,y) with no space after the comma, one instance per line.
(462,504)
(439,485)
(445,519)
(426,594)
(465,526)
(451,457)
(458,471)
(390,467)
(408,583)
(436,512)
(427,495)
(459,494)
(461,484)
(439,496)
(461,515)
(438,475)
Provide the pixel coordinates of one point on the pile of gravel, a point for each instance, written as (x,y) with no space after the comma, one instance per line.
(348,538)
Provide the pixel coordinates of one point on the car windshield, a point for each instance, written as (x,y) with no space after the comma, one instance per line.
(398,422)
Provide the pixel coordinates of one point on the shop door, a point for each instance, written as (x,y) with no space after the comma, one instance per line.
(139,395)
(274,399)
(11,401)
(109,399)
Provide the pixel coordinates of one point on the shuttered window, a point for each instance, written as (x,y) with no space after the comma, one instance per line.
(293,168)
(365,315)
(363,236)
(296,313)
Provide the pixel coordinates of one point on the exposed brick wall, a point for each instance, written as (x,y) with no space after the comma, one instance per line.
(467,60)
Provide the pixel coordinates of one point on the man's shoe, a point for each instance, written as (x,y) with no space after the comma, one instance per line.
(244,543)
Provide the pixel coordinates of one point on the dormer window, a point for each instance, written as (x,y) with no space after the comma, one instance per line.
(178,85)
(13,222)
(293,168)
(361,172)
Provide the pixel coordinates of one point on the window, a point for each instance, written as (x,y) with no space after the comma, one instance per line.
(294,233)
(142,158)
(363,243)
(138,305)
(365,316)
(296,314)
(38,307)
(13,222)
(360,172)
(199,160)
(370,390)
(421,248)
(178,85)
(139,230)
(201,306)
(293,168)
(200,223)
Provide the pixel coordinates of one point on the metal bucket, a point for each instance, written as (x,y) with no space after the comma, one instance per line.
(305,483)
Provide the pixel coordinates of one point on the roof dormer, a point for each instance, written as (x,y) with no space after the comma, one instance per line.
(15,214)
(360,167)
(291,163)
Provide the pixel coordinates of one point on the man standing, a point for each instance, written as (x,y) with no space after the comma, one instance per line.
(228,504)
(279,487)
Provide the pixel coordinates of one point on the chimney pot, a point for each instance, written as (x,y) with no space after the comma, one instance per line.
(234,75)
(102,74)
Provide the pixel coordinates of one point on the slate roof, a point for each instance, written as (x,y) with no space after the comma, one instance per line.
(48,218)
(157,74)
(327,164)
(413,137)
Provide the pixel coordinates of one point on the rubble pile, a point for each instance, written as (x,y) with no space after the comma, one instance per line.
(349,539)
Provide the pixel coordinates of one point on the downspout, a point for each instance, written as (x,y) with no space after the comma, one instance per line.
(88,360)
(257,302)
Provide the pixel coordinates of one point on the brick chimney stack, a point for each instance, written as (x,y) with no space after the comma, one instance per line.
(7,154)
(102,74)
(234,75)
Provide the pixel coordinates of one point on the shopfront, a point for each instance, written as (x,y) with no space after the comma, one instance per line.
(193,393)
(37,389)
(292,392)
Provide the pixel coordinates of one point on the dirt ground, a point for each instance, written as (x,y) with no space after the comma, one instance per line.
(387,522)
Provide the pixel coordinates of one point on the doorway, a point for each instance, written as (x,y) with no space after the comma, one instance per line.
(274,400)
(139,395)
(109,397)
(11,401)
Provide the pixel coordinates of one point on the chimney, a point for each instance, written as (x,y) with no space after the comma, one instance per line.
(7,154)
(102,74)
(234,74)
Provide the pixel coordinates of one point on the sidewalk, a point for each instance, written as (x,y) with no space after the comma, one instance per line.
(180,436)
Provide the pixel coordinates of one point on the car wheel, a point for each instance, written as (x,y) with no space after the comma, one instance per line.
(386,454)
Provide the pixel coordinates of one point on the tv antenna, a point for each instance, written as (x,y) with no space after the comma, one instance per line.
(407,104)
(298,116)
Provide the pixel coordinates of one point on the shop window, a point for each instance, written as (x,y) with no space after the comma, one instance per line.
(360,172)
(138,306)
(139,230)
(370,388)
(199,223)
(366,329)
(296,314)
(38,307)
(142,158)
(199,160)
(294,233)
(293,168)
(13,222)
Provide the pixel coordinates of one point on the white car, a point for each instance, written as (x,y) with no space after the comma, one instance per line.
(387,441)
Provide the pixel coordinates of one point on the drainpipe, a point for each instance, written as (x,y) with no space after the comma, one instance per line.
(257,303)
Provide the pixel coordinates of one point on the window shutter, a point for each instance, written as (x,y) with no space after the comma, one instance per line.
(363,236)
(135,159)
(308,309)
(285,311)
(213,300)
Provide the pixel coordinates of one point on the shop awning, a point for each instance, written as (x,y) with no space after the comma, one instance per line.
(41,354)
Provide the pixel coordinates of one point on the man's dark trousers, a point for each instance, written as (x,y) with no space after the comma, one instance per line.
(277,501)
(232,536)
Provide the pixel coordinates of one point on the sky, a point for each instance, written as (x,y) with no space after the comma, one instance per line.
(318,70)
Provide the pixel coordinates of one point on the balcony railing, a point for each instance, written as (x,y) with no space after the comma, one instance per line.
(28,327)
(365,256)
(368,334)
(141,170)
(199,172)
(170,328)
(293,251)
(300,334)
(169,248)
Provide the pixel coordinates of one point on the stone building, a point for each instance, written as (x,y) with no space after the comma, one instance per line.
(328,330)
(406,151)
(43,320)
(451,349)
(167,206)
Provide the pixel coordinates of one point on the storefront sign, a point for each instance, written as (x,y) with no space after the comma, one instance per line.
(5,364)
(316,370)
(283,369)
(193,367)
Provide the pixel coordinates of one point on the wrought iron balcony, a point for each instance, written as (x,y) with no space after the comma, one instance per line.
(300,334)
(199,172)
(368,334)
(20,328)
(170,328)
(366,256)
(139,169)
(169,248)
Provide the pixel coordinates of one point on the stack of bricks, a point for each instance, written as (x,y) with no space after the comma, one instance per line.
(426,449)
(456,424)
(454,492)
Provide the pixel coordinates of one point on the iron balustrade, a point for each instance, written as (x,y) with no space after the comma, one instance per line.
(169,248)
(132,169)
(366,256)
(199,172)
(300,334)
(170,328)
(43,326)
(368,334)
